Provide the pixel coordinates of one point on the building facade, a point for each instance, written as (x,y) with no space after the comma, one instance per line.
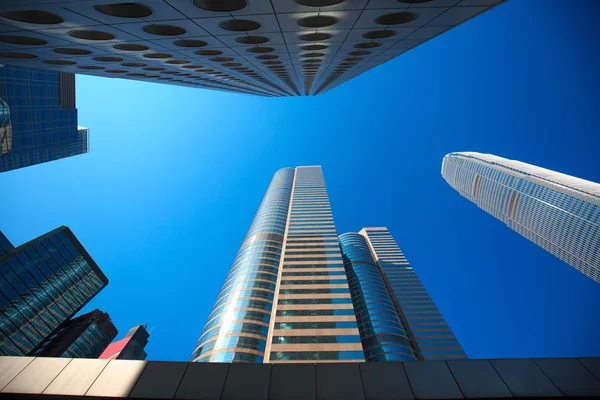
(558,212)
(43,283)
(296,293)
(267,48)
(85,336)
(39,118)
(131,347)
(5,245)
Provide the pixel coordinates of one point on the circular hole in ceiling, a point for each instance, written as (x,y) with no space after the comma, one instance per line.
(189,43)
(313,47)
(130,47)
(192,66)
(317,21)
(239,25)
(157,55)
(208,52)
(240,69)
(379,34)
(10,54)
(311,61)
(108,59)
(252,39)
(91,35)
(23,40)
(359,53)
(315,37)
(319,3)
(134,64)
(232,64)
(177,62)
(261,49)
(221,59)
(154,69)
(165,78)
(313,55)
(72,50)
(170,72)
(221,5)
(367,45)
(396,18)
(124,10)
(163,30)
(267,56)
(33,17)
(91,67)
(271,62)
(136,74)
(60,62)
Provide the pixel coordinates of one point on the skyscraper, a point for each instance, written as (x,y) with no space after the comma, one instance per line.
(5,244)
(38,117)
(290,296)
(131,347)
(558,212)
(85,336)
(268,48)
(43,283)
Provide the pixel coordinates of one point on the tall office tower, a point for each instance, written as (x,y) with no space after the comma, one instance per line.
(39,118)
(131,347)
(558,212)
(43,283)
(426,325)
(5,244)
(286,298)
(83,337)
(268,48)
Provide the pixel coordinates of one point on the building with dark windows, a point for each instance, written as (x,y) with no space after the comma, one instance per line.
(38,117)
(298,293)
(267,48)
(558,212)
(85,336)
(429,331)
(43,284)
(131,347)
(5,244)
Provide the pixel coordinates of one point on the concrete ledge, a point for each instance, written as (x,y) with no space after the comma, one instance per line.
(65,378)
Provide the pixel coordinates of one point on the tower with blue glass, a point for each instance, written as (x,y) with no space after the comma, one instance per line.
(38,118)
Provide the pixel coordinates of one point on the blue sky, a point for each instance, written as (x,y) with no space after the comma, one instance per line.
(175,175)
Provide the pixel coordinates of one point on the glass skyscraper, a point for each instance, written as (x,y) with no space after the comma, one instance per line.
(558,212)
(298,293)
(38,117)
(131,347)
(85,336)
(43,283)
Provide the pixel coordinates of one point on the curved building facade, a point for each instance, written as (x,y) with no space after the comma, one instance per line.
(383,334)
(238,325)
(558,212)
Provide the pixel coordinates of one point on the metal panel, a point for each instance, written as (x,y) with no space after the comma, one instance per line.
(569,376)
(37,375)
(293,381)
(477,379)
(385,381)
(339,381)
(592,364)
(159,380)
(77,377)
(421,375)
(203,381)
(524,378)
(247,381)
(117,379)
(11,367)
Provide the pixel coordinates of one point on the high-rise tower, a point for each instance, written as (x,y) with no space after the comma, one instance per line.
(558,212)
(43,283)
(298,293)
(262,47)
(38,118)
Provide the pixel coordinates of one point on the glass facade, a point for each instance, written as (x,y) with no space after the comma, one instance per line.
(83,337)
(5,244)
(43,283)
(558,212)
(38,117)
(383,333)
(435,340)
(238,325)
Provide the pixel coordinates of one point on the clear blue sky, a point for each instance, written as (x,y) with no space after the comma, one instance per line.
(174,176)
